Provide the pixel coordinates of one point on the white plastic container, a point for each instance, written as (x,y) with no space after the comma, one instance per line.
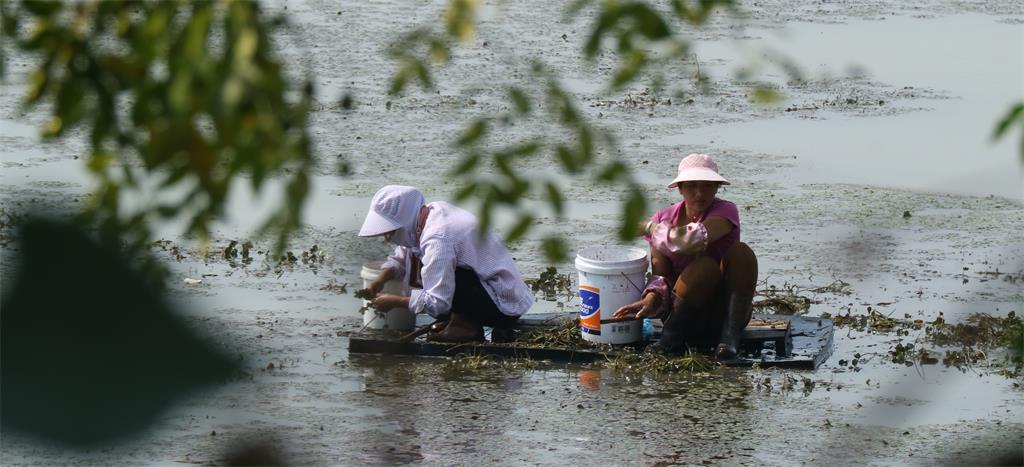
(398,319)
(610,276)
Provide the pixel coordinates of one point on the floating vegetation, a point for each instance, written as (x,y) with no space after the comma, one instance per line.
(231,253)
(650,363)
(566,334)
(314,256)
(966,345)
(790,299)
(170,247)
(786,300)
(337,288)
(474,362)
(873,321)
(837,287)
(551,284)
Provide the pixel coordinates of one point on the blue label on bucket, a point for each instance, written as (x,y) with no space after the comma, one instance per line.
(590,310)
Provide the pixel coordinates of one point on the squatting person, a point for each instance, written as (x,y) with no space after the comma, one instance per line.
(696,250)
(457,275)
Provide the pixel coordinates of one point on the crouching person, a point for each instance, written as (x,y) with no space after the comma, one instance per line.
(703,276)
(458,276)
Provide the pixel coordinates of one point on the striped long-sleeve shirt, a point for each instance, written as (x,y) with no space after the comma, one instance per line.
(450,240)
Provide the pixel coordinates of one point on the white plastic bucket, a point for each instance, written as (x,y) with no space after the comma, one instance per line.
(610,276)
(398,319)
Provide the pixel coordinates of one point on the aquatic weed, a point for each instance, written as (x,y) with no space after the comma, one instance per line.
(566,334)
(479,362)
(551,284)
(648,363)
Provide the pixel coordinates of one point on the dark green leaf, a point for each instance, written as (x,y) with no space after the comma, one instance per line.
(1016,112)
(485,210)
(465,192)
(399,81)
(634,208)
(649,22)
(467,164)
(554,197)
(528,148)
(628,68)
(554,249)
(612,171)
(42,8)
(568,160)
(522,226)
(475,131)
(85,367)
(520,102)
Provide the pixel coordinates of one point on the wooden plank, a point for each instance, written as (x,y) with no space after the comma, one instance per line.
(808,346)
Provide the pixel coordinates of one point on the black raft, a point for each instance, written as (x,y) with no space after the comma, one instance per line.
(796,342)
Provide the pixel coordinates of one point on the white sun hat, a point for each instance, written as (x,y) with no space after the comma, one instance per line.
(697,167)
(392,207)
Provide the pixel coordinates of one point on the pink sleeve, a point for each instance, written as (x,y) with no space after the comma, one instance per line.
(726,210)
(662,216)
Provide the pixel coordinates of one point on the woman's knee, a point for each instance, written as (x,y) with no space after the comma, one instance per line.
(739,266)
(696,284)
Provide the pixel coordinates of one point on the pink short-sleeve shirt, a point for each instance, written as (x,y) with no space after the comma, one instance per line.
(716,249)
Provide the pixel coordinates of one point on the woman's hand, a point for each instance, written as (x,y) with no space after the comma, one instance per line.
(645,307)
(385,302)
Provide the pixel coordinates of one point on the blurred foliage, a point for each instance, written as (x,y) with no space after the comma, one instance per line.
(1015,116)
(178,98)
(90,353)
(574,150)
(644,39)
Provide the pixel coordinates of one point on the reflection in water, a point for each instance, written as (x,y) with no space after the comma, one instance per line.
(430,412)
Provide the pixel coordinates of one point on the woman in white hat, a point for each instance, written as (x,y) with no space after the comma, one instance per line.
(696,253)
(455,273)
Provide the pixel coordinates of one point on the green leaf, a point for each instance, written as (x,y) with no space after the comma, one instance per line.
(42,8)
(399,81)
(567,158)
(522,226)
(634,208)
(485,210)
(629,67)
(528,148)
(609,16)
(554,197)
(475,131)
(467,164)
(1016,112)
(554,249)
(612,171)
(520,102)
(465,192)
(71,373)
(649,22)
(423,73)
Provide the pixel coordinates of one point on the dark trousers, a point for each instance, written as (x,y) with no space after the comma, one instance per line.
(472,302)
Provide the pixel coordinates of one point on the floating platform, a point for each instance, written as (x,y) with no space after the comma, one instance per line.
(780,341)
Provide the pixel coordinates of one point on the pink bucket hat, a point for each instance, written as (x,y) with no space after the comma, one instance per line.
(392,207)
(697,167)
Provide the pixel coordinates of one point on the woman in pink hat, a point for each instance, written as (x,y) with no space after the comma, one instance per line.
(696,253)
(465,279)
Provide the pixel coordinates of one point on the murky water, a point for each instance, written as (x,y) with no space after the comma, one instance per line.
(822,193)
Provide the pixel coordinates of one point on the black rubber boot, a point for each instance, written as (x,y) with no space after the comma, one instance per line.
(673,332)
(738,310)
